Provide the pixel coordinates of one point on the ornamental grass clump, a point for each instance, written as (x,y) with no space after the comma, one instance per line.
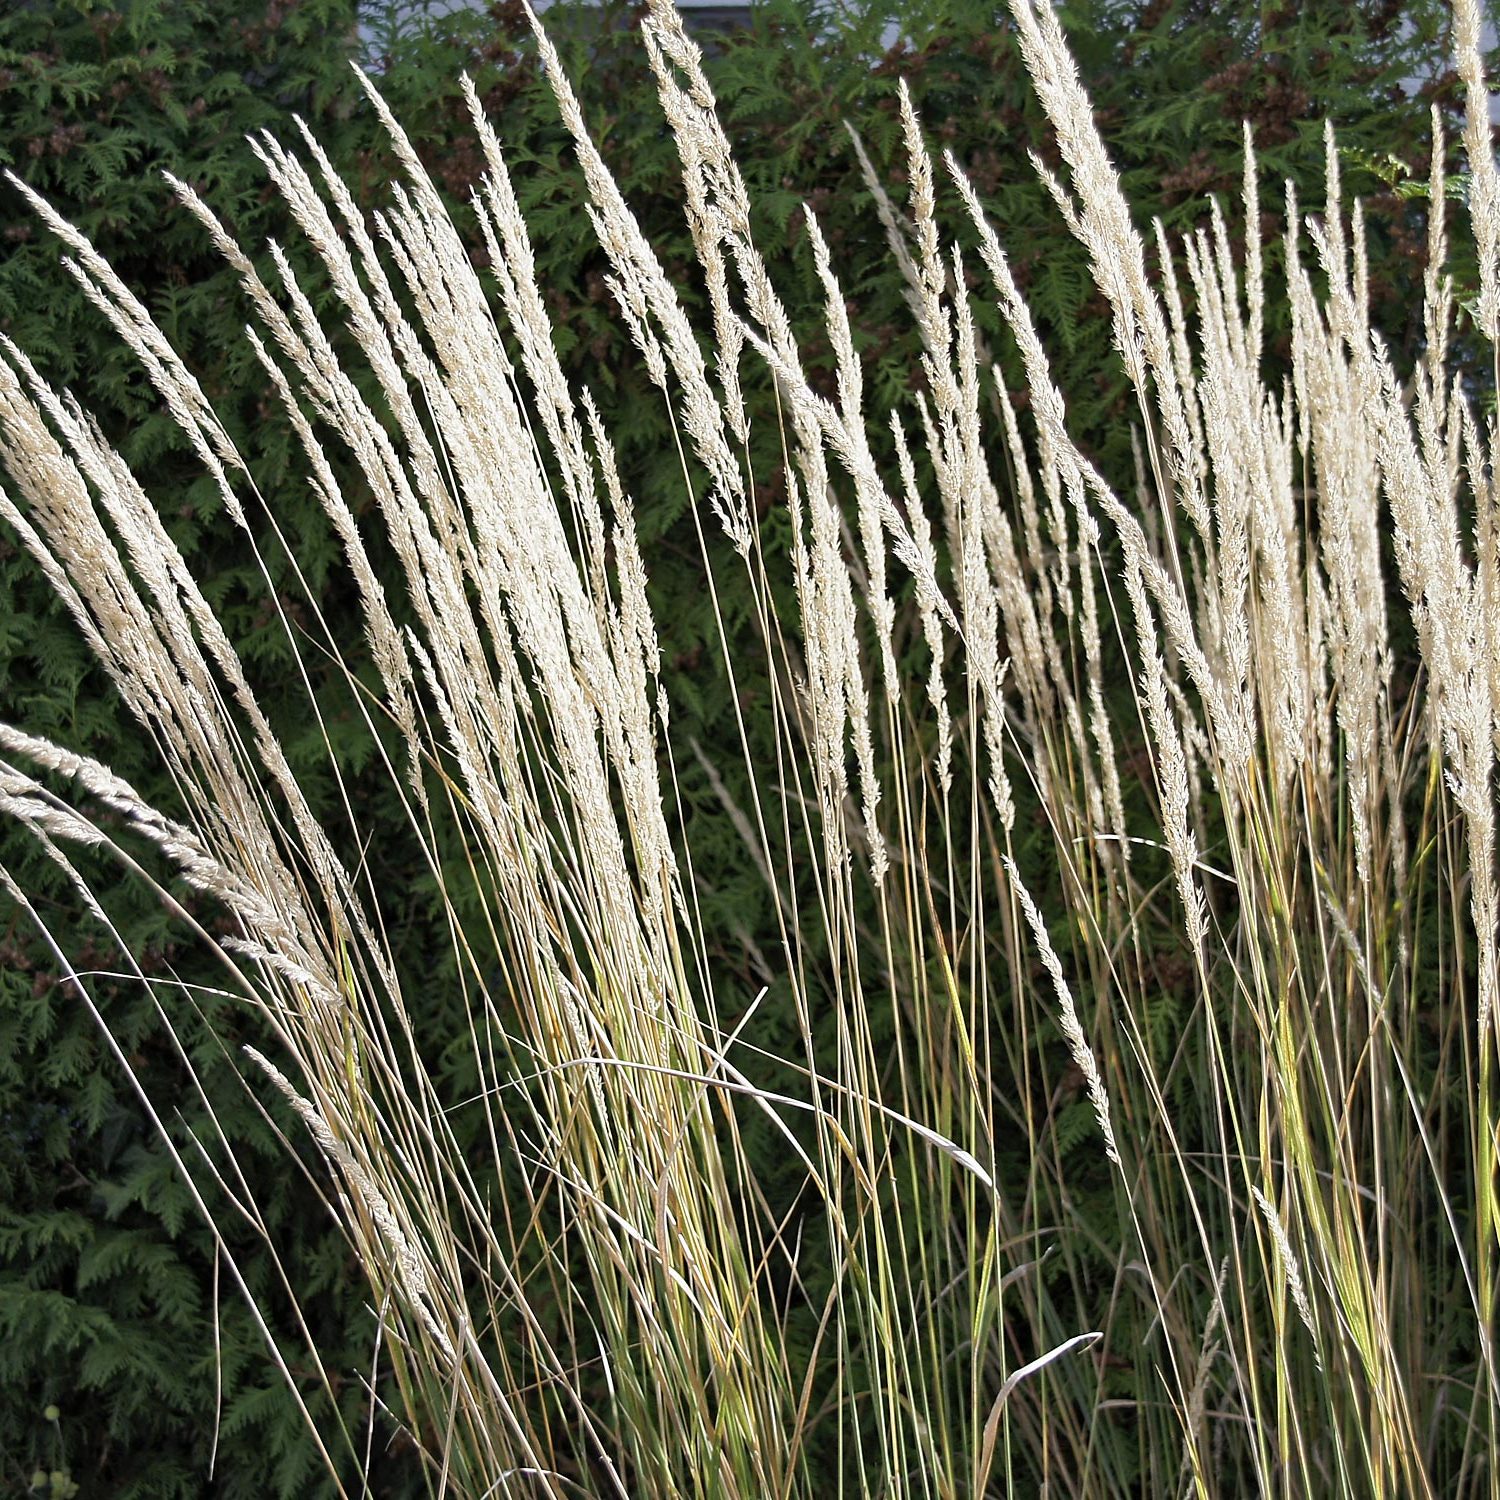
(1130,838)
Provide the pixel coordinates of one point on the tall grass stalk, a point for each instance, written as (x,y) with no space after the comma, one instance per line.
(1131,840)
